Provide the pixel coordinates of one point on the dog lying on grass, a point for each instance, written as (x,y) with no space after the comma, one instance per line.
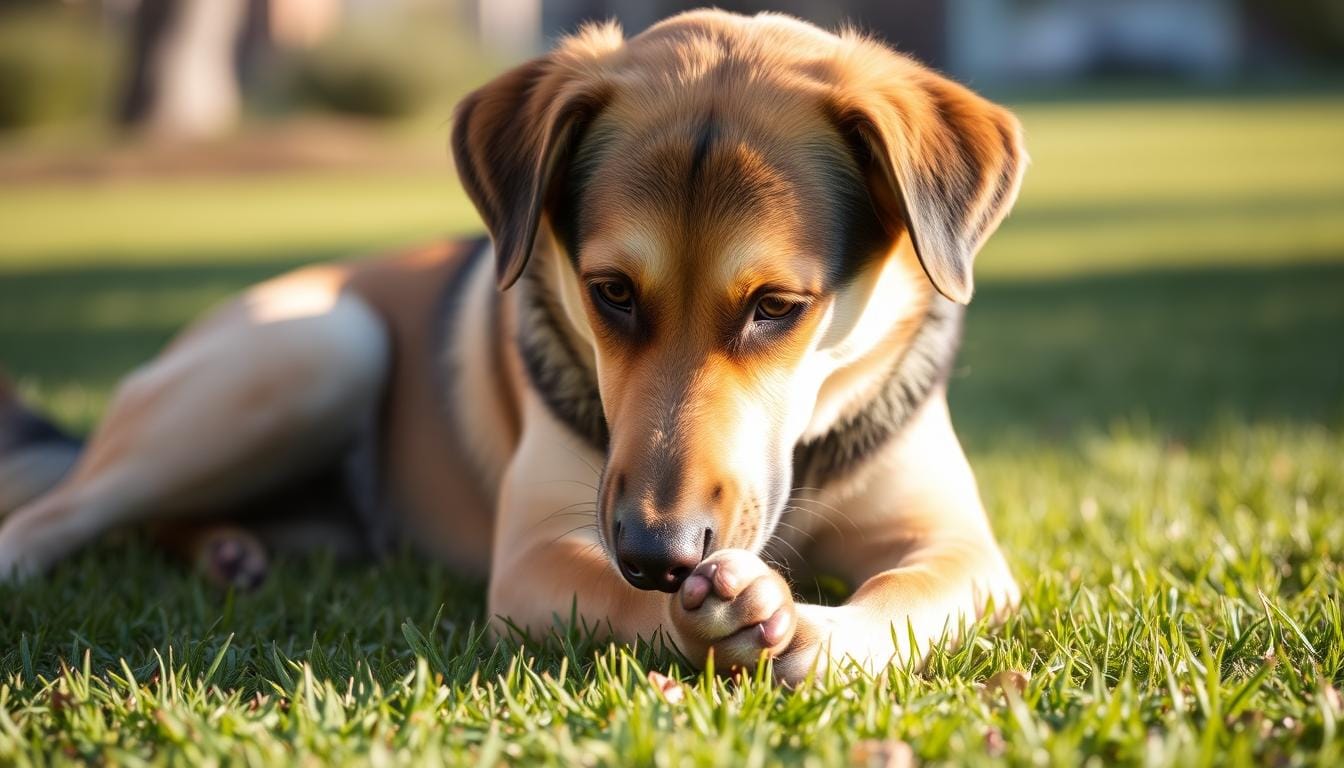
(734,252)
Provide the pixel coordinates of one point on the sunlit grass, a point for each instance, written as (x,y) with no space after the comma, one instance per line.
(1151,392)
(245,218)
(1169,184)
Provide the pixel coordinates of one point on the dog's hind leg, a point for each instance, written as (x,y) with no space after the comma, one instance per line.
(34,453)
(323,512)
(266,388)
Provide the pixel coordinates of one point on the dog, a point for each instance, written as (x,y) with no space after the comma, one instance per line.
(706,344)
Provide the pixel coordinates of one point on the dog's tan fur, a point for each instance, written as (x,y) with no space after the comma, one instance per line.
(711,166)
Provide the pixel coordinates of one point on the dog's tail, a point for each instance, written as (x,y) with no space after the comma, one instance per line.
(34,453)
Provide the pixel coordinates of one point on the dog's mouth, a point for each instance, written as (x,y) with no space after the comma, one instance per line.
(654,551)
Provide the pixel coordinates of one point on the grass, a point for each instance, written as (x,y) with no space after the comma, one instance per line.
(1151,391)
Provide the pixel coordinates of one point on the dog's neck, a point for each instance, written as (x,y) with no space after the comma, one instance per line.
(909,379)
(568,385)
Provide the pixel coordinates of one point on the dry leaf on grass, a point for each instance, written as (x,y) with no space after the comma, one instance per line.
(1332,696)
(1000,683)
(671,690)
(995,745)
(60,700)
(882,753)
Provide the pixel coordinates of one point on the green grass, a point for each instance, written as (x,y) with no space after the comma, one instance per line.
(1151,391)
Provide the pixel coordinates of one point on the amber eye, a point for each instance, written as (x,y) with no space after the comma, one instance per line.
(773,307)
(616,293)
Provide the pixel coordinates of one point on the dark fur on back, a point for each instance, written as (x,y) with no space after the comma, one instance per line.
(34,453)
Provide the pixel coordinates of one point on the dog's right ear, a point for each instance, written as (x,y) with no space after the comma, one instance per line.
(512,136)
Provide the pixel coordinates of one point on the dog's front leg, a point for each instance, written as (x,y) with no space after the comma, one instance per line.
(899,614)
(917,545)
(737,608)
(548,558)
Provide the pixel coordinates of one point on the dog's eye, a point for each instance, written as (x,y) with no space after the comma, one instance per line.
(774,308)
(616,293)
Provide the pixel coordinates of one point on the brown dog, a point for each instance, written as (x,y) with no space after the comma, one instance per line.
(736,248)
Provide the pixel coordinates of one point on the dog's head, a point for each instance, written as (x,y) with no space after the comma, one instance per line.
(748,218)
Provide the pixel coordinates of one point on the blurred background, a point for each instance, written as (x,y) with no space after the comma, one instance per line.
(1176,261)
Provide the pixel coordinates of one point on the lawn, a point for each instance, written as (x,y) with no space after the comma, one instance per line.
(1151,391)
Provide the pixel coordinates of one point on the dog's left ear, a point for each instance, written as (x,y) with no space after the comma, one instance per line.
(941,161)
(513,136)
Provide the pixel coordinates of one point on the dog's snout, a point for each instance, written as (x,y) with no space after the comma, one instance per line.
(660,555)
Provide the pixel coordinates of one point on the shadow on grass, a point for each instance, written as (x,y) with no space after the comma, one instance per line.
(1047,358)
(1179,349)
(1084,213)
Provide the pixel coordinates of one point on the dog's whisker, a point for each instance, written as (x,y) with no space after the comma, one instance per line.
(794,507)
(578,508)
(572,512)
(806,534)
(794,496)
(563,480)
(776,564)
(595,545)
(592,527)
(596,472)
(583,506)
(575,513)
(785,542)
(823,518)
(837,511)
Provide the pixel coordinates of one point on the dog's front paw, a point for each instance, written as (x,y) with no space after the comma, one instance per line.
(735,607)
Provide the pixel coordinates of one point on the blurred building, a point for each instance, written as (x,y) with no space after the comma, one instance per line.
(985,41)
(1072,39)
(989,40)
(981,41)
(194,65)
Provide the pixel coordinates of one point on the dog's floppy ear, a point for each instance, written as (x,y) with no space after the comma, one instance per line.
(941,160)
(511,137)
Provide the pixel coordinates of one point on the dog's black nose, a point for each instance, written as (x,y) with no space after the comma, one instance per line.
(662,554)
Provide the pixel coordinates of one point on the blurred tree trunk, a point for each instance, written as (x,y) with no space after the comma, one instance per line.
(184,80)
